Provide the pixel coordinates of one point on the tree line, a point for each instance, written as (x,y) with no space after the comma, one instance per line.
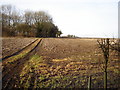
(27,24)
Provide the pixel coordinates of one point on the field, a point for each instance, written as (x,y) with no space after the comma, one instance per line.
(12,45)
(56,63)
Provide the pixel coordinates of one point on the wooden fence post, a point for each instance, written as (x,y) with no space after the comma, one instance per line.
(89,83)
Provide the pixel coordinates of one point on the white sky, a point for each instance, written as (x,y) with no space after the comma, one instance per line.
(83,18)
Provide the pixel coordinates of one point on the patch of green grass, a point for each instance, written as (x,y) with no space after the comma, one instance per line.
(14,58)
(29,70)
(36,58)
(58,80)
(22,54)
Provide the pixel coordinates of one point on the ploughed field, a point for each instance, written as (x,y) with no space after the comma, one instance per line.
(13,45)
(57,63)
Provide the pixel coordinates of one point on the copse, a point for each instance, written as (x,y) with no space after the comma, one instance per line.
(29,24)
(47,29)
(9,18)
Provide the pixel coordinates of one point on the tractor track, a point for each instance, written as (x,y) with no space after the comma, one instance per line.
(18,51)
(60,57)
(10,75)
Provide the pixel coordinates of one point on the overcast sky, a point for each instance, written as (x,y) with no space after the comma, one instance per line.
(83,18)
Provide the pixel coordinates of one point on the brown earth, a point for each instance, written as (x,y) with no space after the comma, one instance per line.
(62,63)
(61,48)
(13,45)
(11,67)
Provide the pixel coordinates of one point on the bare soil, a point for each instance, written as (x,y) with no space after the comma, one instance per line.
(12,45)
(61,48)
(63,63)
(11,70)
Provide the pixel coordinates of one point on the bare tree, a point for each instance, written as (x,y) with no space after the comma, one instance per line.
(104,45)
(42,16)
(29,17)
(15,18)
(7,11)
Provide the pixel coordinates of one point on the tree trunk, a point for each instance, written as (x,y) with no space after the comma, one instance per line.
(105,78)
